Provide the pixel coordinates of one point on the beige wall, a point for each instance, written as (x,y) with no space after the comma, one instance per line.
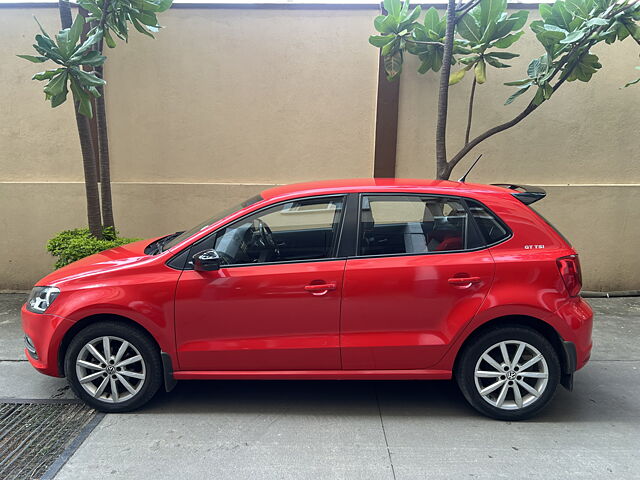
(226,102)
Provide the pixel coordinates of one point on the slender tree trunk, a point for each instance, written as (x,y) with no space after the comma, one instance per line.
(65,13)
(442,168)
(103,155)
(90,175)
(94,219)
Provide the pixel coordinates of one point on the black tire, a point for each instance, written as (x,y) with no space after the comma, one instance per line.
(469,357)
(137,338)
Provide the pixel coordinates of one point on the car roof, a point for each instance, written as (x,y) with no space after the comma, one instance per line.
(326,187)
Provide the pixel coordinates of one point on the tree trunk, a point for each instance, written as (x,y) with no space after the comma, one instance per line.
(65,13)
(442,168)
(103,155)
(90,175)
(86,146)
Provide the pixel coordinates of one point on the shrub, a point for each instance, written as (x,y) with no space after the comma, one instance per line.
(72,245)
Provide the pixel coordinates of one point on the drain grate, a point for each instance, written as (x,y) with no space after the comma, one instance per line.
(33,435)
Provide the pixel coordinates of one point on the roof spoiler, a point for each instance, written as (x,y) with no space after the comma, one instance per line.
(525,193)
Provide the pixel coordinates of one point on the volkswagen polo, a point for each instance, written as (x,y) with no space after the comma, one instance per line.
(345,279)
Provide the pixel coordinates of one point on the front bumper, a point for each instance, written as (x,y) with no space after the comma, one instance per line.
(46,332)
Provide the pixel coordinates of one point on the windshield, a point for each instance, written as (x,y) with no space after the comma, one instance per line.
(217,217)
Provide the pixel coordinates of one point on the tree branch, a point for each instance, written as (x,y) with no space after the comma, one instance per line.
(470,114)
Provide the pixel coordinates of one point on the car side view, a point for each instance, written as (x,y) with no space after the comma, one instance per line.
(342,279)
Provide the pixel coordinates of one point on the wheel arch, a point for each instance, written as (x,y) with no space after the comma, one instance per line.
(89,320)
(567,364)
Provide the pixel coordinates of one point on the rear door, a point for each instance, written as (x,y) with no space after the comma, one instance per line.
(421,273)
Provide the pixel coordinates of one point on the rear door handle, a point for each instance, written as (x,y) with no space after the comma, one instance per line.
(464,280)
(320,288)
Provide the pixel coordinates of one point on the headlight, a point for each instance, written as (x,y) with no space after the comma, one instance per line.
(41,297)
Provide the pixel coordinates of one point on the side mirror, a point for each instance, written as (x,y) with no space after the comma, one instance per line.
(206,261)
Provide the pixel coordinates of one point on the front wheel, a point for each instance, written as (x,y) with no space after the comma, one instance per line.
(113,367)
(509,373)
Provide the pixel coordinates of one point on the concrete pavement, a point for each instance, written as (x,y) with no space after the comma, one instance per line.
(352,430)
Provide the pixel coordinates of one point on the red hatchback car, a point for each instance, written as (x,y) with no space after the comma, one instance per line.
(348,279)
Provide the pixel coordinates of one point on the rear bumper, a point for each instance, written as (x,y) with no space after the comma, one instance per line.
(46,332)
(577,321)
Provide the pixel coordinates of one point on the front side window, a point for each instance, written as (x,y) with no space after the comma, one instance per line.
(294,231)
(412,224)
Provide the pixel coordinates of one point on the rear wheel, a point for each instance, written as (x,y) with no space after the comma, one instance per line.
(509,373)
(113,367)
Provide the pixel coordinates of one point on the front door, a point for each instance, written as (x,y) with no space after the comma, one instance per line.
(275,302)
(417,278)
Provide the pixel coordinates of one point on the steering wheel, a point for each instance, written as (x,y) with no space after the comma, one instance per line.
(265,237)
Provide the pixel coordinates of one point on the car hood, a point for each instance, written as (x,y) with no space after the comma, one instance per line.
(100,263)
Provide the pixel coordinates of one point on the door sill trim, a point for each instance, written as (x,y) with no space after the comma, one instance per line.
(314,375)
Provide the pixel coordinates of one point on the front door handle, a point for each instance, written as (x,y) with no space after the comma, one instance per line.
(460,281)
(320,288)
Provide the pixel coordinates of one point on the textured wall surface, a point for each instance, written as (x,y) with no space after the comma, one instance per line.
(226,102)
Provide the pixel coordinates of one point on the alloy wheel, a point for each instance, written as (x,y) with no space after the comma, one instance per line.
(511,375)
(110,369)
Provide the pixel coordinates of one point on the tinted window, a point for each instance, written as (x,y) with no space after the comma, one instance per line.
(298,230)
(490,226)
(396,224)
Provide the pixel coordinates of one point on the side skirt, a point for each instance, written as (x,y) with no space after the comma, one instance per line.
(315,375)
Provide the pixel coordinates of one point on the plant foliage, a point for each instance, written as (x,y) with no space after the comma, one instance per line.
(567,32)
(75,56)
(72,245)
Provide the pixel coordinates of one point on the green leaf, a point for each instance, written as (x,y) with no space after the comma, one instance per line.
(87,79)
(509,40)
(539,96)
(573,37)
(92,59)
(456,77)
(393,65)
(109,40)
(88,43)
(76,30)
(518,83)
(57,84)
(33,58)
(515,95)
(468,28)
(381,40)
(489,12)
(503,55)
(547,91)
(585,68)
(596,21)
(431,19)
(393,7)
(82,98)
(47,74)
(480,71)
(545,11)
(495,63)
(520,19)
(533,68)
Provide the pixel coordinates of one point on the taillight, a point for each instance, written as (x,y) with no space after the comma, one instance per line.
(571,274)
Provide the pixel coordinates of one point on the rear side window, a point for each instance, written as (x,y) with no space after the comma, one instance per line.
(413,224)
(492,228)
